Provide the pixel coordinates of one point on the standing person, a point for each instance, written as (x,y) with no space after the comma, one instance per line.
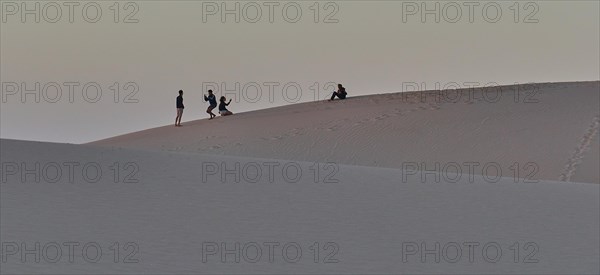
(223,107)
(212,100)
(341,93)
(179,105)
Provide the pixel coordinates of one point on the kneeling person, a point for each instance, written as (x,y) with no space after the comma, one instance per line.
(223,107)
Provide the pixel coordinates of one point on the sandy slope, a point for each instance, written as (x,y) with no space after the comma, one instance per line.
(360,207)
(368,214)
(551,134)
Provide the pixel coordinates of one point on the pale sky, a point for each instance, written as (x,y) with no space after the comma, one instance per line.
(369,46)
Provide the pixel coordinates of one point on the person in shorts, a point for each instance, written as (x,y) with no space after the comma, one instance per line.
(179,105)
(212,100)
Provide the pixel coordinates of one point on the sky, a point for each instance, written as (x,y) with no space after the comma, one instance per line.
(89,70)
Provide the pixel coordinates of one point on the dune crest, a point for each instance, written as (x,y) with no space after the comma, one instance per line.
(539,131)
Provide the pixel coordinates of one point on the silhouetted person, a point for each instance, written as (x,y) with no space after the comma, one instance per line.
(179,108)
(223,107)
(212,100)
(341,93)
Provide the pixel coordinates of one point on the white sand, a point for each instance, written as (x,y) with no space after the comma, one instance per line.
(394,129)
(368,212)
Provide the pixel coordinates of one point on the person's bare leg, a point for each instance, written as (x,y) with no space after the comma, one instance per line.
(179,116)
(209,111)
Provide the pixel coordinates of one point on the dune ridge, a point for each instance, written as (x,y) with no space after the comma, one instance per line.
(376,188)
(540,131)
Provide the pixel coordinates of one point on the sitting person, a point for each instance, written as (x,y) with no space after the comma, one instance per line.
(341,93)
(223,107)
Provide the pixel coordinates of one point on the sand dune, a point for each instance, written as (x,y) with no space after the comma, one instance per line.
(543,131)
(367,218)
(321,188)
